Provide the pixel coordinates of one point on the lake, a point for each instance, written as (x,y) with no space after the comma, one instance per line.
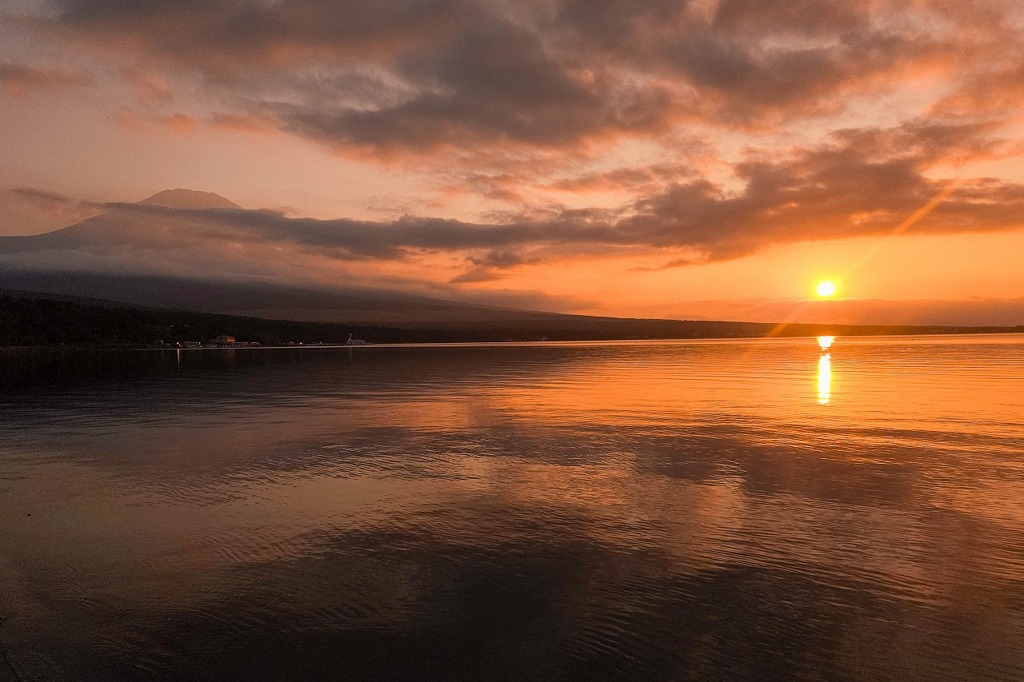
(712,510)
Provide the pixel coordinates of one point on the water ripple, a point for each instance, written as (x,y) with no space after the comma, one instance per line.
(599,511)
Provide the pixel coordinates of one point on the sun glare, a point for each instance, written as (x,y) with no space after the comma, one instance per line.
(826,288)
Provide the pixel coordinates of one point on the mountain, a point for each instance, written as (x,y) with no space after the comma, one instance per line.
(261,299)
(191,250)
(188,198)
(143,256)
(77,246)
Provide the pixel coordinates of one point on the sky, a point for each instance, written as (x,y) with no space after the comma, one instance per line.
(641,158)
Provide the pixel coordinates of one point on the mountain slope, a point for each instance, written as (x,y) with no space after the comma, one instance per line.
(142,255)
(188,198)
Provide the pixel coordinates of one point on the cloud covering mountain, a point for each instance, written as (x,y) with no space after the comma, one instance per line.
(576,154)
(187,248)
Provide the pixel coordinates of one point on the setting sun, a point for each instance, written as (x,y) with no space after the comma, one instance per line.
(826,288)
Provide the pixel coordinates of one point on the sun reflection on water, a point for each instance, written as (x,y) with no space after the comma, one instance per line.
(824,379)
(825,370)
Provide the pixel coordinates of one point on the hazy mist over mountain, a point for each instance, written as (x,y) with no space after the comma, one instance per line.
(192,249)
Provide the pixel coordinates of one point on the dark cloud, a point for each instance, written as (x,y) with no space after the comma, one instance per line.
(499,259)
(419,75)
(493,84)
(228,37)
(43,196)
(477,275)
(491,266)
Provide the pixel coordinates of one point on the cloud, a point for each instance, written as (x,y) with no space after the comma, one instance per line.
(28,210)
(20,79)
(751,61)
(499,259)
(239,123)
(493,84)
(861,182)
(228,39)
(427,75)
(476,276)
(994,93)
(491,266)
(642,179)
(180,123)
(150,85)
(701,130)
(145,120)
(42,196)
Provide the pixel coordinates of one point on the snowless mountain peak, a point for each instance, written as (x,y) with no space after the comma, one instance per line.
(188,198)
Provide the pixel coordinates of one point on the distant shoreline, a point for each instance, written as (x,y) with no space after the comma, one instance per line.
(1010,331)
(40,322)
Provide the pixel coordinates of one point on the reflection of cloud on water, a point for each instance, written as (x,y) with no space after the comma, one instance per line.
(581,566)
(382,518)
(626,555)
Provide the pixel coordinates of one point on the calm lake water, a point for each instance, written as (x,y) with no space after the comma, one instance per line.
(647,511)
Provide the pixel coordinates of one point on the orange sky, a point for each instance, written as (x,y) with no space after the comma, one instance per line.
(706,159)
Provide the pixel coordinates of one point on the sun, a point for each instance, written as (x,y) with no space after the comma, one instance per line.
(826,288)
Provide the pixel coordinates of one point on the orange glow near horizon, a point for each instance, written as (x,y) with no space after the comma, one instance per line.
(827,288)
(911,220)
(882,191)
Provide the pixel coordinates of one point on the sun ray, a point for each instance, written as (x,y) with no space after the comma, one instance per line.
(908,223)
(899,229)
